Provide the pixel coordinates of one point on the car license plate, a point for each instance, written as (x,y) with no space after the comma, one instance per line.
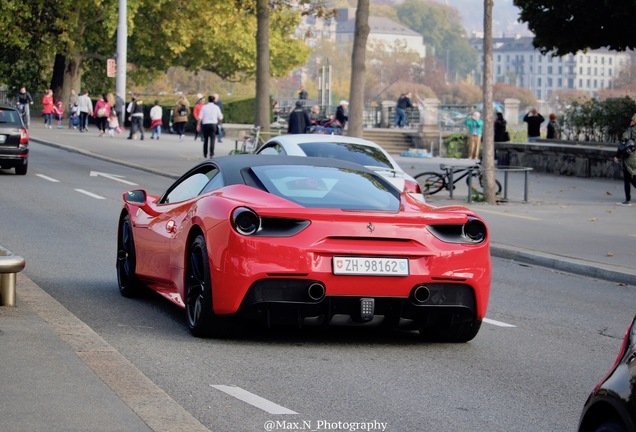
(376,266)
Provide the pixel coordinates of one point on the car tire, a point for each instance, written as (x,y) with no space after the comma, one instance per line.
(22,169)
(129,285)
(450,330)
(430,182)
(200,316)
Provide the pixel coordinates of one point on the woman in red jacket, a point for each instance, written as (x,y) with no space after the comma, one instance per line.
(48,107)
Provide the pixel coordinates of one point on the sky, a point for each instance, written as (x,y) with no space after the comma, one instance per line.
(505,16)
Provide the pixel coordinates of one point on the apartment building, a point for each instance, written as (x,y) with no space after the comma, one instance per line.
(517,62)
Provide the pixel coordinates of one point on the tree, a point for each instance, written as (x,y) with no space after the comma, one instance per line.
(567,27)
(358,68)
(441,28)
(488,158)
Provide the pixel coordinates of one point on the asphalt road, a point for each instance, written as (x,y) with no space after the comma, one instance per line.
(552,336)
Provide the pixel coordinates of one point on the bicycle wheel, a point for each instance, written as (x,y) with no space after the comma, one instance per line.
(481,183)
(430,182)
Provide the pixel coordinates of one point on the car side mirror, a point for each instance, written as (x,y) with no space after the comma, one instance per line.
(137,196)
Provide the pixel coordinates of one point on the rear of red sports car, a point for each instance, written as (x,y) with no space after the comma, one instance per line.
(430,268)
(315,239)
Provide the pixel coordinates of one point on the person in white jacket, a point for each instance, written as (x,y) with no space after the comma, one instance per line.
(156,120)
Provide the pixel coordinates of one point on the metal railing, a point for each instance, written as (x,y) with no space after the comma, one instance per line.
(10,265)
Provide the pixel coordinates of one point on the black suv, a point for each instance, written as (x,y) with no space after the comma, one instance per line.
(14,140)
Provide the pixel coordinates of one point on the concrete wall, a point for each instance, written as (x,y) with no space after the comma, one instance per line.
(561,158)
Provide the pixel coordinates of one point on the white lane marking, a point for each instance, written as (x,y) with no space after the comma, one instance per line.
(498,323)
(112,177)
(253,399)
(508,214)
(90,194)
(47,178)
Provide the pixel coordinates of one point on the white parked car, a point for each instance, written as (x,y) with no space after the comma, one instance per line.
(350,149)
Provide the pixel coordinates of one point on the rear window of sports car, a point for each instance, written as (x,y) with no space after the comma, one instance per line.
(350,152)
(329,187)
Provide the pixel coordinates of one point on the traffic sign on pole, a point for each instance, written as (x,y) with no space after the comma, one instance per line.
(111,68)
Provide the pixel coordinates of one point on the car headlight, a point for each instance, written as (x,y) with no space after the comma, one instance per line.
(245,221)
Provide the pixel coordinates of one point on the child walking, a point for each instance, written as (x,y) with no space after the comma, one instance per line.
(113,123)
(58,110)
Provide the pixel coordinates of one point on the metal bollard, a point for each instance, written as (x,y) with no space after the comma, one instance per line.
(10,264)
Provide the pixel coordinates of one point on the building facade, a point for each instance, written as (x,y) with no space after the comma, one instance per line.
(383,32)
(517,62)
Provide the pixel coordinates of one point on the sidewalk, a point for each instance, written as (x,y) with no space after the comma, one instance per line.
(57,374)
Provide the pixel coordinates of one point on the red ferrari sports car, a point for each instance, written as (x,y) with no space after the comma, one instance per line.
(285,237)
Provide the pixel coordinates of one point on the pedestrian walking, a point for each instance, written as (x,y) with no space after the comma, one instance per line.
(156,120)
(402,104)
(196,110)
(85,109)
(626,156)
(217,101)
(72,109)
(101,114)
(475,129)
(48,106)
(299,119)
(302,93)
(553,127)
(209,119)
(137,118)
(181,112)
(24,103)
(58,111)
(534,120)
(113,123)
(501,134)
(341,113)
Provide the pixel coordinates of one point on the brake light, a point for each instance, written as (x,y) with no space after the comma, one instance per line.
(411,186)
(24,136)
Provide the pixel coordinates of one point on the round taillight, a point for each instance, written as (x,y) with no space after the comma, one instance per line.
(475,230)
(245,221)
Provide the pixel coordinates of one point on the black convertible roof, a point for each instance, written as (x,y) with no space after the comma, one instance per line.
(231,166)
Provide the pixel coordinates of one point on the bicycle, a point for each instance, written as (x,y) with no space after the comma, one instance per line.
(433,182)
(22,110)
(253,140)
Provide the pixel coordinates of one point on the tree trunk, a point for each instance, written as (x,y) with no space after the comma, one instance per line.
(57,80)
(358,57)
(262,65)
(488,152)
(72,78)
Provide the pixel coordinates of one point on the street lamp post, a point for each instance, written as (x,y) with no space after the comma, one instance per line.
(122,46)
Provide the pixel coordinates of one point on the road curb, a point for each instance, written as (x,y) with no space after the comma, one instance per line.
(567,264)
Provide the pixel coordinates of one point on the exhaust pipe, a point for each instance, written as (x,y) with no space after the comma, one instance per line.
(420,294)
(316,291)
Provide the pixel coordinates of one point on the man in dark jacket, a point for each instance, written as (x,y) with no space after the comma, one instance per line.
(534,120)
(298,120)
(403,102)
(341,116)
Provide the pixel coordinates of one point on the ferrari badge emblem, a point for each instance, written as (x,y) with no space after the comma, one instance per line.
(370,227)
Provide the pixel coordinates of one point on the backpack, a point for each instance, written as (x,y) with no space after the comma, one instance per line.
(626,148)
(183,111)
(101,112)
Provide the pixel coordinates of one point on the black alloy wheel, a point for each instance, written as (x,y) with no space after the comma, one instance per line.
(129,285)
(202,321)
